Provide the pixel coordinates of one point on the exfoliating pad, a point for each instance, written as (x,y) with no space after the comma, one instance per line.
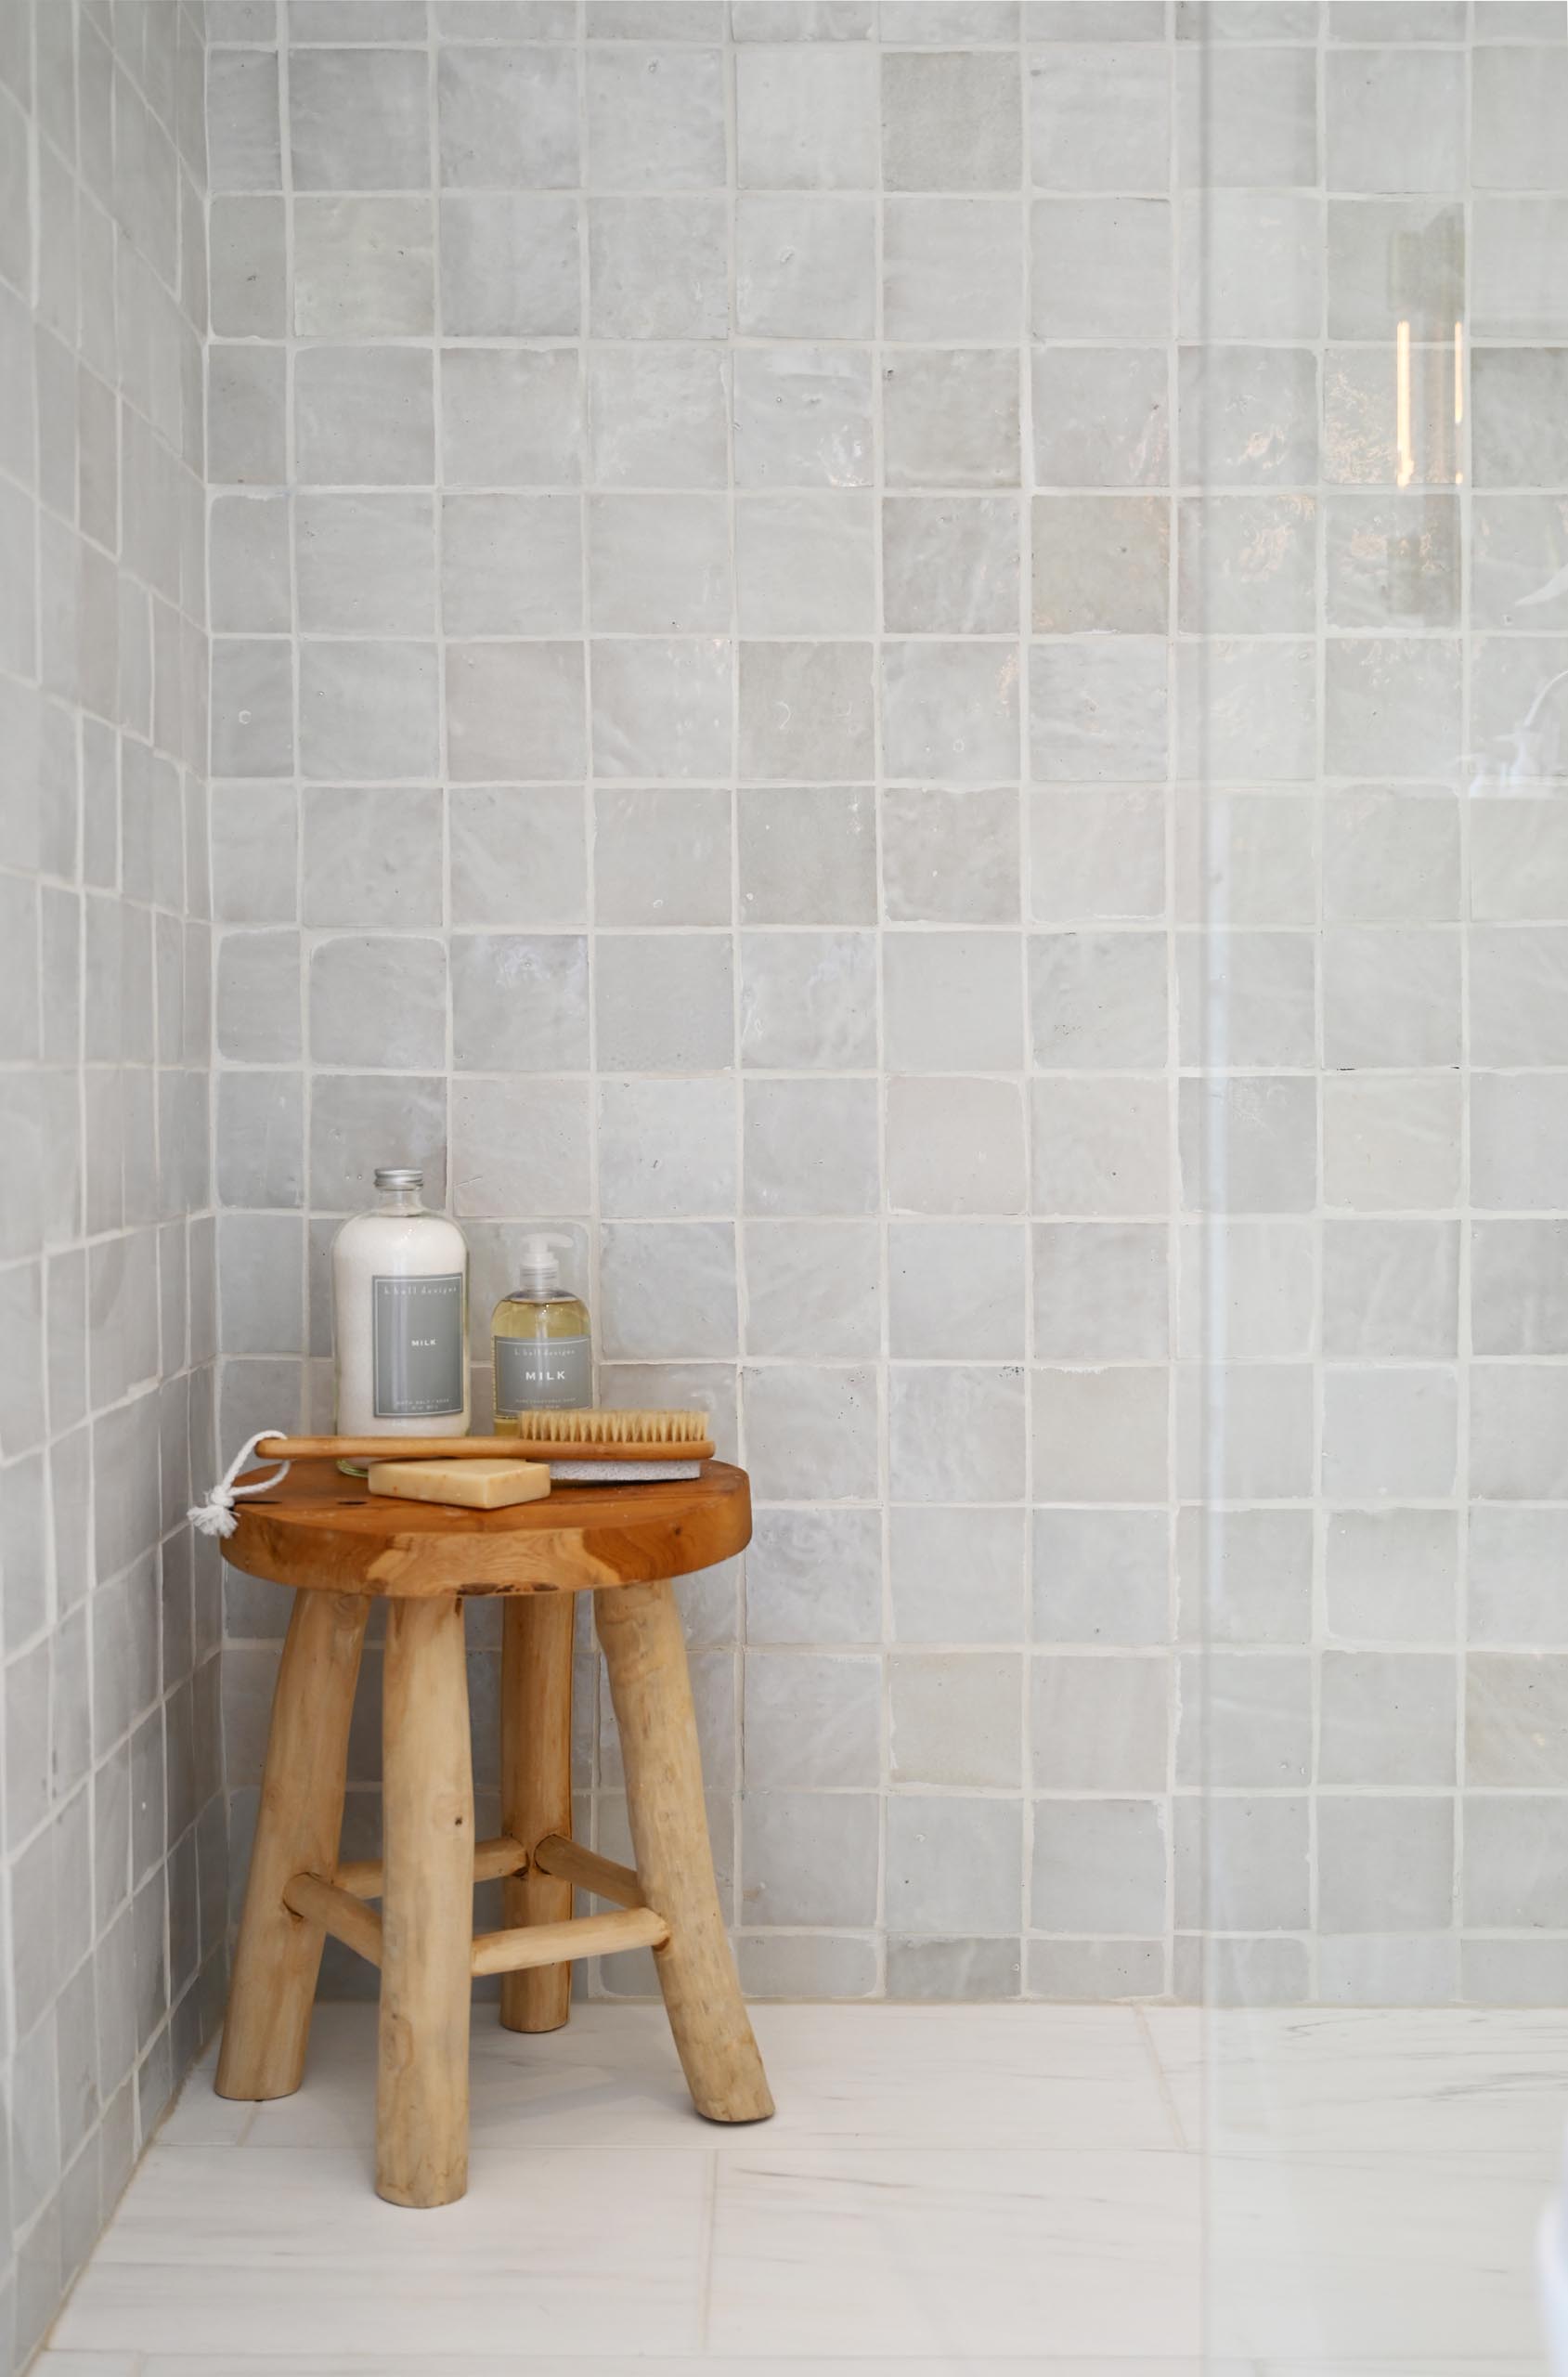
(476,1485)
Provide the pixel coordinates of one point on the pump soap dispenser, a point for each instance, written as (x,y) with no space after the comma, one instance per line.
(539,1339)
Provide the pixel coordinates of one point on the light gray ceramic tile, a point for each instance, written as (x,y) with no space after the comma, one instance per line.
(1248,117)
(517,855)
(1101,416)
(957,1574)
(510,416)
(808,1001)
(973,1164)
(805,266)
(1099,710)
(363,416)
(806,711)
(950,417)
(1516,95)
(665,1003)
(508,116)
(1390,1576)
(656,415)
(364,268)
(372,857)
(805,118)
(805,563)
(508,266)
(813,1288)
(1248,565)
(668,1291)
(814,1576)
(1101,1292)
(1099,1866)
(359,119)
(810,1147)
(655,118)
(808,855)
(952,268)
(1394,119)
(1250,265)
(514,710)
(1101,562)
(519,1002)
(813,1720)
(950,856)
(662,708)
(803,417)
(1386,1865)
(657,268)
(950,120)
(1390,1289)
(1388,1717)
(953,1863)
(1100,118)
(811,1432)
(1393,260)
(952,1003)
(1101,268)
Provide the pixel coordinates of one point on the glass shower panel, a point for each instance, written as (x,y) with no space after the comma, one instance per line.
(1370,1857)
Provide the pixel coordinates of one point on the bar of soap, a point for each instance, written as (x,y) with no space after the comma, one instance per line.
(477,1484)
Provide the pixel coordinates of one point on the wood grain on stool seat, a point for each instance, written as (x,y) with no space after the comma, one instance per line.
(324,1532)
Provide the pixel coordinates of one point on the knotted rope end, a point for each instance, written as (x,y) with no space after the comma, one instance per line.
(215,1514)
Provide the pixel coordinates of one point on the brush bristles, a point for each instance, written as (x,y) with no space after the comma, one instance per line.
(613,1428)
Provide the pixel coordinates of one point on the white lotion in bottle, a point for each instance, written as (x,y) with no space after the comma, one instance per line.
(400,1318)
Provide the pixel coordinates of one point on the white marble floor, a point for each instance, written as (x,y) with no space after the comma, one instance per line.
(947,2191)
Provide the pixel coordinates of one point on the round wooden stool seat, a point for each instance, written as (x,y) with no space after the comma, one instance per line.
(344,1548)
(329,1533)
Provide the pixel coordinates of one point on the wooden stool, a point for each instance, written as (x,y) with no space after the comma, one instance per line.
(344,1548)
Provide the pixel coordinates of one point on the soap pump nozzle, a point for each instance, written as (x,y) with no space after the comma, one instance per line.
(539,1270)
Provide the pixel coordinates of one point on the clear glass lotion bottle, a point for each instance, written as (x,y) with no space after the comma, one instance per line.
(400,1318)
(539,1341)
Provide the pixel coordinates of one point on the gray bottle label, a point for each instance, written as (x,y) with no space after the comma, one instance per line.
(543,1373)
(417,1327)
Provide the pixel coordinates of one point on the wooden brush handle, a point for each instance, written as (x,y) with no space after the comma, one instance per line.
(465,1448)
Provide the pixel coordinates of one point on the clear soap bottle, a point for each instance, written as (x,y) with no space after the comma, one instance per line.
(540,1340)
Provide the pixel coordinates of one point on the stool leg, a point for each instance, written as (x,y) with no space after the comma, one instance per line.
(536,1790)
(645,1652)
(427,1906)
(298,1828)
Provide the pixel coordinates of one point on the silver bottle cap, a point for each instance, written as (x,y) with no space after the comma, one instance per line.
(395,1176)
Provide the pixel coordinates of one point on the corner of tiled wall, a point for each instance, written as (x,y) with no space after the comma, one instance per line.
(114,1840)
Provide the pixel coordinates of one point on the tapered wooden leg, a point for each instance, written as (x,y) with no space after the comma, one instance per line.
(536,1790)
(645,1652)
(427,1906)
(298,1827)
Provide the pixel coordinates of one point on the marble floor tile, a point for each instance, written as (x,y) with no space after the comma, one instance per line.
(905,2074)
(945,2192)
(212,2250)
(919,2252)
(1332,2256)
(1448,2080)
(639,2365)
(88,2364)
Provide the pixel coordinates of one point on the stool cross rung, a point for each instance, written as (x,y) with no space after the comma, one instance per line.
(337,1911)
(363,1877)
(559,1943)
(570,1861)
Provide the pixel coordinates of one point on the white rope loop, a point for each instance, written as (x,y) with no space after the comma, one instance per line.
(215,1515)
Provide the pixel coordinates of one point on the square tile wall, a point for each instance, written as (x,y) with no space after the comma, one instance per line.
(851,658)
(114,1842)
